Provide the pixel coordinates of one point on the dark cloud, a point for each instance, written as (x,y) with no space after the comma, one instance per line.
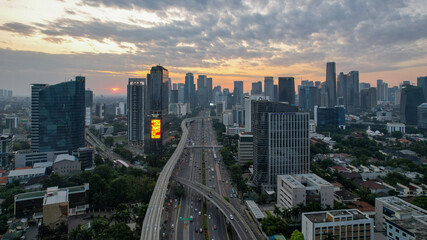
(18,28)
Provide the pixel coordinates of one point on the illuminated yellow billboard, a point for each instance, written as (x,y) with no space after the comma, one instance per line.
(155,128)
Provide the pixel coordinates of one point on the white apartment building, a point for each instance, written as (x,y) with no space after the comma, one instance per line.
(399,219)
(303,188)
(344,224)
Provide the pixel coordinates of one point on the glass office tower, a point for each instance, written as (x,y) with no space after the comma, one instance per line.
(58,116)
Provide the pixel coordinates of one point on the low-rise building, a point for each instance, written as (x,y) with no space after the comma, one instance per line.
(343,224)
(245,152)
(86,157)
(65,165)
(304,188)
(395,127)
(26,174)
(399,219)
(30,204)
(345,197)
(55,213)
(27,158)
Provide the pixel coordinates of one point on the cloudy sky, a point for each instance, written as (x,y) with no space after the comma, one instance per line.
(108,41)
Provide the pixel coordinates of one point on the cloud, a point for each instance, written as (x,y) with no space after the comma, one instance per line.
(18,28)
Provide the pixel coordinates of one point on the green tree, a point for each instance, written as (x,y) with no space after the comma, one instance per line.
(109,141)
(297,235)
(420,202)
(118,231)
(273,225)
(80,233)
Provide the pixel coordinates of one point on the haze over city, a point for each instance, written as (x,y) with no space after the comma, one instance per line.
(111,41)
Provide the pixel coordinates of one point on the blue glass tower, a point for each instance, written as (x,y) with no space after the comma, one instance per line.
(58,116)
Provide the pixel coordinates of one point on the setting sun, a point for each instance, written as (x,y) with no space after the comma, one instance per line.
(115,89)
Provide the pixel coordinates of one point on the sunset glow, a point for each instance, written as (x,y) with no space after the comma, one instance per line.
(115,90)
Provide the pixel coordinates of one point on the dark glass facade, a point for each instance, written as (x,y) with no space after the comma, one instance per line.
(58,116)
(330,116)
(287,90)
(156,108)
(410,99)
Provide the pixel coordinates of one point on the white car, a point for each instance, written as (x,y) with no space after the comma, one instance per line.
(209,216)
(200,213)
(231,217)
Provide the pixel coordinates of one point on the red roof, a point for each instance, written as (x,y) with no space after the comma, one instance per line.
(372,185)
(4,180)
(403,140)
(362,206)
(23,168)
(337,184)
(340,168)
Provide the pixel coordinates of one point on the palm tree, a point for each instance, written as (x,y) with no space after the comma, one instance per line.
(277,211)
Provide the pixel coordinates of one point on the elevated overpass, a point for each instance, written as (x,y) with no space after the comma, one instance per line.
(240,226)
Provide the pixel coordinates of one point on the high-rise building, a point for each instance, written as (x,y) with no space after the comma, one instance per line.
(6,149)
(174,96)
(382,90)
(269,87)
(276,92)
(368,98)
(181,87)
(411,98)
(331,86)
(156,109)
(281,142)
(245,148)
(203,91)
(308,98)
(238,93)
(89,107)
(135,111)
(256,88)
(287,90)
(58,116)
(190,90)
(324,116)
(422,83)
(209,89)
(422,116)
(364,85)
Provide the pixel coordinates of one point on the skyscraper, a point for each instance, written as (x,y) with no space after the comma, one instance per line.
(281,142)
(269,87)
(156,109)
(89,107)
(276,92)
(135,111)
(181,87)
(209,89)
(287,90)
(308,98)
(411,98)
(256,88)
(364,86)
(368,98)
(422,83)
(238,93)
(331,88)
(58,116)
(190,90)
(203,91)
(382,90)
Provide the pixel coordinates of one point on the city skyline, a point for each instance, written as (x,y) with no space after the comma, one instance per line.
(109,42)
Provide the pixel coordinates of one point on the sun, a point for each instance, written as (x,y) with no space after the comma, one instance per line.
(115,89)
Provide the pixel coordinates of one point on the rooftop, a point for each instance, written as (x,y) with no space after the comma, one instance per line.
(255,209)
(16,173)
(417,226)
(319,217)
(403,207)
(42,164)
(54,196)
(306,180)
(62,157)
(40,194)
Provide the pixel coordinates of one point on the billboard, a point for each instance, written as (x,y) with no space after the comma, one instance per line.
(155,129)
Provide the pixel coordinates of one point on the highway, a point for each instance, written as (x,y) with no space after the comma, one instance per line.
(233,216)
(151,225)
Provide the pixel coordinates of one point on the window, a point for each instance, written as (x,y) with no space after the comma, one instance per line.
(404,234)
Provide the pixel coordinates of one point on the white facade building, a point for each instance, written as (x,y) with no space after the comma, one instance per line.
(344,224)
(395,127)
(399,219)
(303,188)
(248,110)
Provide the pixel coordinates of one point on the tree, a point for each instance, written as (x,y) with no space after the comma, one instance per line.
(330,236)
(420,202)
(297,235)
(80,233)
(118,231)
(109,141)
(272,225)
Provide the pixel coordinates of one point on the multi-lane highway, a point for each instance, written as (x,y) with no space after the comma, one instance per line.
(151,225)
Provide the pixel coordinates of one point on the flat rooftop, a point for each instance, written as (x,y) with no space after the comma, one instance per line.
(403,207)
(417,226)
(55,197)
(255,209)
(318,217)
(40,194)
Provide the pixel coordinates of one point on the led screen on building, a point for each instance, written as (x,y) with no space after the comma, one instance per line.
(155,128)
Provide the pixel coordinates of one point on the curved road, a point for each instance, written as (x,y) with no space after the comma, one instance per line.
(242,228)
(151,225)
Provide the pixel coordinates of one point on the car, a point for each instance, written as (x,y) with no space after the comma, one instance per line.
(200,213)
(231,217)
(214,227)
(200,230)
(173,226)
(197,230)
(191,218)
(209,216)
